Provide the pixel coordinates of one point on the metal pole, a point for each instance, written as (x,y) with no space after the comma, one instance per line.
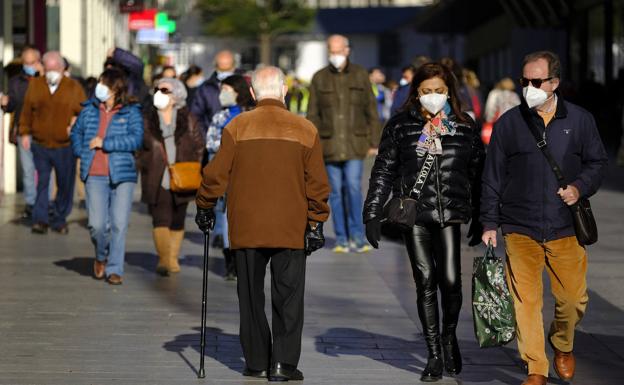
(202,372)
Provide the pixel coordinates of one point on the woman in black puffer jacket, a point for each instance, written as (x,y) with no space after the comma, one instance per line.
(431,122)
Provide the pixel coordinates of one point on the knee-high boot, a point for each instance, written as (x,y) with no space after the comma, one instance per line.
(162,242)
(177,236)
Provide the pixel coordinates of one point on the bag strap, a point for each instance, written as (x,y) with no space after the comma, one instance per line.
(164,152)
(421,178)
(543,146)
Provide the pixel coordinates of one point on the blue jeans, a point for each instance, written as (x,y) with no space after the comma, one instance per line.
(346,177)
(64,164)
(221,222)
(108,209)
(28,173)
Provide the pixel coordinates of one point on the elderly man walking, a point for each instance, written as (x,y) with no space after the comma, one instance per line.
(344,109)
(522,196)
(271,164)
(50,107)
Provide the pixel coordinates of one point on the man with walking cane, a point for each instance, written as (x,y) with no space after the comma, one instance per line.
(271,164)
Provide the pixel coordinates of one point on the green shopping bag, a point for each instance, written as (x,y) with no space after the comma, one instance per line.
(492,306)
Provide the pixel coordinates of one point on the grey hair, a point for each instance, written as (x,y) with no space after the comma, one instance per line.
(54,56)
(178,91)
(268,82)
(344,38)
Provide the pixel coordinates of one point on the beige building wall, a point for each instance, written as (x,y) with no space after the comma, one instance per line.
(89,28)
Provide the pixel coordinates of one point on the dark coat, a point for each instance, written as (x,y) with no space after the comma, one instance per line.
(18,85)
(344,109)
(520,188)
(451,192)
(189,148)
(206,102)
(124,136)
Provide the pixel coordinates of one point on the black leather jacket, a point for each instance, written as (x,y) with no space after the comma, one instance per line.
(452,191)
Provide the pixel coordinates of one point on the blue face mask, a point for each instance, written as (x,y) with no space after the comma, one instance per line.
(29,70)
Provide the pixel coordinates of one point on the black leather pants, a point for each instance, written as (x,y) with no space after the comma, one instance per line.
(434,253)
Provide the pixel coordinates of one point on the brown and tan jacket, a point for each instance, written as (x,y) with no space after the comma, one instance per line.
(271,165)
(47,116)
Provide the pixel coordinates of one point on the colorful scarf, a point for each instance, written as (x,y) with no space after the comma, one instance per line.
(434,129)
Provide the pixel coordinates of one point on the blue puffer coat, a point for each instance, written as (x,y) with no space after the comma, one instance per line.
(124,135)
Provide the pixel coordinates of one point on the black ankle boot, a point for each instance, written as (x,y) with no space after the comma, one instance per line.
(433,370)
(452,355)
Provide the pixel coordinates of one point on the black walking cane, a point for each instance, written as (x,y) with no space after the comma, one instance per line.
(202,373)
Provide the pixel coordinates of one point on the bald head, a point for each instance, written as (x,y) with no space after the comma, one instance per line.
(30,56)
(53,61)
(338,45)
(268,83)
(224,61)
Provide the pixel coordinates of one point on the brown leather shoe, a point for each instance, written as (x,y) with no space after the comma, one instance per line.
(535,379)
(564,364)
(98,269)
(114,279)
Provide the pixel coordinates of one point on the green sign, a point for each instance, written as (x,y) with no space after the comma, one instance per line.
(162,22)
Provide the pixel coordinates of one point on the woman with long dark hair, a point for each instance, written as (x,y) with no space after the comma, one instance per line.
(235,98)
(172,135)
(431,126)
(107,132)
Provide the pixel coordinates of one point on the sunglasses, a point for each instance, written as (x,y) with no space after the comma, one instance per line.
(537,83)
(165,91)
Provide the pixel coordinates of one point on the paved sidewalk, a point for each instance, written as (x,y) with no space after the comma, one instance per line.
(60,326)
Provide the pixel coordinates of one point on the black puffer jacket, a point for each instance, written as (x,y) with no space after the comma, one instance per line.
(452,191)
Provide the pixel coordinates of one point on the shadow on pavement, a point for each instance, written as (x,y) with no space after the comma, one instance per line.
(222,347)
(80,265)
(146,261)
(402,354)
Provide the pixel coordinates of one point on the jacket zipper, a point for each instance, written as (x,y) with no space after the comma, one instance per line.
(543,192)
(438,192)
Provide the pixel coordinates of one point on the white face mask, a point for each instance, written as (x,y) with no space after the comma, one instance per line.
(161,100)
(337,60)
(227,98)
(403,82)
(434,102)
(534,97)
(53,77)
(102,92)
(222,75)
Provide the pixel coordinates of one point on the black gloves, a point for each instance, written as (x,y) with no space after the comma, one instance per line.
(314,238)
(373,232)
(475,231)
(205,219)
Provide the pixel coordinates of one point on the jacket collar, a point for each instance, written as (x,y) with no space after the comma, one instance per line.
(271,102)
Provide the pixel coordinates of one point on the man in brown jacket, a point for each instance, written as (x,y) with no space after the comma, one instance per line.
(344,109)
(50,107)
(271,164)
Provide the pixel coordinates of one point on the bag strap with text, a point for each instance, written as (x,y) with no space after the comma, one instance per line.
(422,176)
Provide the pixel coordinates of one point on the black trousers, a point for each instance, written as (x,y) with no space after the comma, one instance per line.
(287,289)
(165,213)
(434,254)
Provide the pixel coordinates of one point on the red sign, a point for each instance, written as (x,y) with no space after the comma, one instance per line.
(142,20)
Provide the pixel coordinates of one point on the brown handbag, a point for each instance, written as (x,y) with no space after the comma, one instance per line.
(183,176)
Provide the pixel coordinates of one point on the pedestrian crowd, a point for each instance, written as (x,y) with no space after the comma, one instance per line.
(268,159)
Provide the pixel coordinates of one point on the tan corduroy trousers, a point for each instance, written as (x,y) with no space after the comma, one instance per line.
(566,263)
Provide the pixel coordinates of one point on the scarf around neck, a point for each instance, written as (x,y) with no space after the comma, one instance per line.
(435,128)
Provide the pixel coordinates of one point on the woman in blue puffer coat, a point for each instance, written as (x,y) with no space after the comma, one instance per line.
(105,136)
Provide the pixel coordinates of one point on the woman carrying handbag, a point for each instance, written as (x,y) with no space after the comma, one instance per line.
(430,158)
(172,138)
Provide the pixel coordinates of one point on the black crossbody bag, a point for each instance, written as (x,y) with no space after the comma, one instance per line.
(584,221)
(401,211)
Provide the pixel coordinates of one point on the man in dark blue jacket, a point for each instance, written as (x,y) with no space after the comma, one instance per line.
(13,102)
(522,196)
(206,101)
